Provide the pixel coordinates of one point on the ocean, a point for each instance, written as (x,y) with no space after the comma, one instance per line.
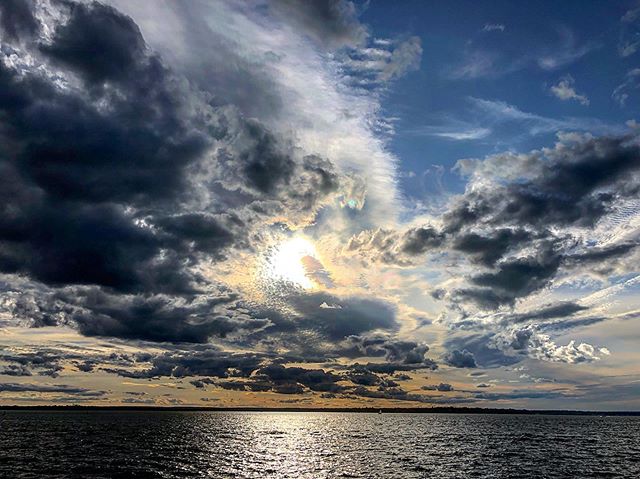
(151,444)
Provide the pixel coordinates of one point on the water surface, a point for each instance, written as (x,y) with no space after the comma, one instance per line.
(117,444)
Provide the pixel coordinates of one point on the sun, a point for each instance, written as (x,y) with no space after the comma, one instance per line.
(285,262)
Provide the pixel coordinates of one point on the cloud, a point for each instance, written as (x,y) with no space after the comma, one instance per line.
(484,118)
(442,387)
(393,247)
(564,90)
(477,350)
(544,313)
(501,113)
(264,65)
(455,131)
(44,388)
(460,359)
(629,41)
(482,59)
(540,346)
(473,134)
(17,19)
(623,91)
(15,370)
(206,361)
(145,180)
(504,220)
(405,57)
(333,23)
(568,51)
(393,350)
(373,67)
(287,379)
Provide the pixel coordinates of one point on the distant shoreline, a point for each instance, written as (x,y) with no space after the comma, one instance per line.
(400,410)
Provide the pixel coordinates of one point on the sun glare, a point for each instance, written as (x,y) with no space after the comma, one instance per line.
(285,262)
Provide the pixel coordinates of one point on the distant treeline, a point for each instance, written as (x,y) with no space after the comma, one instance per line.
(396,410)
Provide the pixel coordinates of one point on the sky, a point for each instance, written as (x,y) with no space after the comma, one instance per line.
(321,203)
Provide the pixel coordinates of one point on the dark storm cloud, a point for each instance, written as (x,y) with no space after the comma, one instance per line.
(572,323)
(86,366)
(460,359)
(73,168)
(98,28)
(550,311)
(44,362)
(15,370)
(158,318)
(478,350)
(520,339)
(576,185)
(418,240)
(17,20)
(262,372)
(333,317)
(118,178)
(392,368)
(489,249)
(393,350)
(516,278)
(442,387)
(207,361)
(601,254)
(288,377)
(332,23)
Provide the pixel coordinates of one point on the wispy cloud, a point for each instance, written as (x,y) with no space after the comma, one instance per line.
(629,33)
(567,51)
(501,112)
(480,60)
(623,91)
(485,118)
(457,131)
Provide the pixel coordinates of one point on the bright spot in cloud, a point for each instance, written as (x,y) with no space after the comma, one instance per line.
(285,263)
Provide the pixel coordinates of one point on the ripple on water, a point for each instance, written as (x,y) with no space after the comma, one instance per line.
(108,444)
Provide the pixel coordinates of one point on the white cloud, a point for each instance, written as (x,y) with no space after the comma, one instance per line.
(453,130)
(337,121)
(564,90)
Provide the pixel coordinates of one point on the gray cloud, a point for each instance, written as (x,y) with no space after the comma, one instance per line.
(460,359)
(332,23)
(44,388)
(442,387)
(503,220)
(17,20)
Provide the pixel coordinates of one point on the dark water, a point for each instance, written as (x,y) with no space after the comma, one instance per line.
(315,445)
